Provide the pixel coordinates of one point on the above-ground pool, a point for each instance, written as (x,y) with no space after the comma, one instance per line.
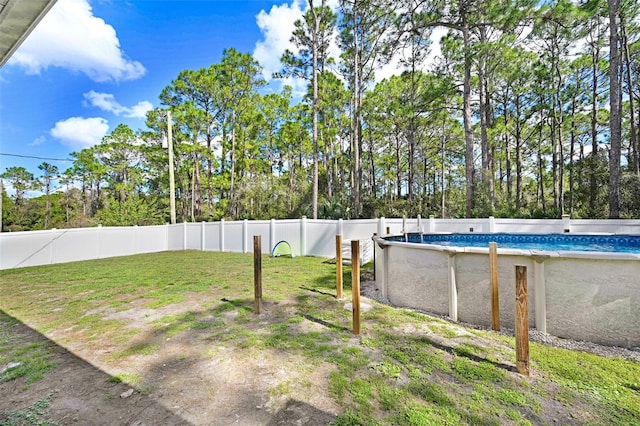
(546,242)
(583,287)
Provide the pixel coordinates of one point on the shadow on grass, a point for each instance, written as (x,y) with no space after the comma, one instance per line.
(326,323)
(61,388)
(315,290)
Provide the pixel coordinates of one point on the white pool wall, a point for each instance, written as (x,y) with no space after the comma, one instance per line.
(583,296)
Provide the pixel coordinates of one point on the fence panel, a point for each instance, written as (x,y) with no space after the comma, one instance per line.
(359,229)
(212,236)
(321,238)
(175,237)
(610,226)
(193,235)
(70,245)
(116,241)
(529,226)
(29,248)
(233,238)
(259,227)
(289,231)
(151,239)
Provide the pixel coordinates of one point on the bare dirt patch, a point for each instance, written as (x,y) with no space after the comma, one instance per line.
(183,378)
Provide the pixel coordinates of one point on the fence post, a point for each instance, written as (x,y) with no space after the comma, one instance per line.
(135,239)
(566,223)
(303,236)
(245,236)
(221,234)
(166,239)
(419,224)
(98,232)
(381,226)
(492,224)
(202,233)
(339,266)
(184,235)
(355,284)
(522,321)
(432,224)
(257,273)
(495,298)
(272,234)
(404,224)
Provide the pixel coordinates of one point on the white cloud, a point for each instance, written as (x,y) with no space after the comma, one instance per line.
(79,132)
(277,27)
(107,102)
(38,141)
(70,37)
(140,109)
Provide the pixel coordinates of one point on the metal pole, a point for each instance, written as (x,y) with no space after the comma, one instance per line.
(172,185)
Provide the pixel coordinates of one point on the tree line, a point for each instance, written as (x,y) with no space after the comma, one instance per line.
(530,110)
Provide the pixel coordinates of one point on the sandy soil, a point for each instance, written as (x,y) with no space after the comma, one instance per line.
(187,380)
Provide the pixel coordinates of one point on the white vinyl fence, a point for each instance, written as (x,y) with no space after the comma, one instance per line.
(307,237)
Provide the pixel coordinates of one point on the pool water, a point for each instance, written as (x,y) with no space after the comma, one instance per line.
(547,242)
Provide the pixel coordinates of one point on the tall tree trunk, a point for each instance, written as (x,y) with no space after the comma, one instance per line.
(593,183)
(507,152)
(314,78)
(209,175)
(466,109)
(232,182)
(634,156)
(487,170)
(518,154)
(615,118)
(541,172)
(572,141)
(47,216)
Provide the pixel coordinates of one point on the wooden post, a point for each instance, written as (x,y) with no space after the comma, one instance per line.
(257,273)
(339,266)
(495,300)
(355,284)
(522,321)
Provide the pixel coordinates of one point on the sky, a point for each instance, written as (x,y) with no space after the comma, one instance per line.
(90,65)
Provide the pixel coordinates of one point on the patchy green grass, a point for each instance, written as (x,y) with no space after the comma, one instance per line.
(406,368)
(34,415)
(19,358)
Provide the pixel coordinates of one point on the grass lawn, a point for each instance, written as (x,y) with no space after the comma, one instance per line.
(405,368)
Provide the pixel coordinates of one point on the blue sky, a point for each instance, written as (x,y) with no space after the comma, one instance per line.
(93,64)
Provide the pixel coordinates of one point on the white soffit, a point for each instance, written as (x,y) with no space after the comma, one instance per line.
(17,19)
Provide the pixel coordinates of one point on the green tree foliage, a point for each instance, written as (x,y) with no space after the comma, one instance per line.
(513,118)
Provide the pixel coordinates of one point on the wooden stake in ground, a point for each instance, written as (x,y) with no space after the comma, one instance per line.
(339,266)
(257,273)
(355,284)
(522,321)
(493,272)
